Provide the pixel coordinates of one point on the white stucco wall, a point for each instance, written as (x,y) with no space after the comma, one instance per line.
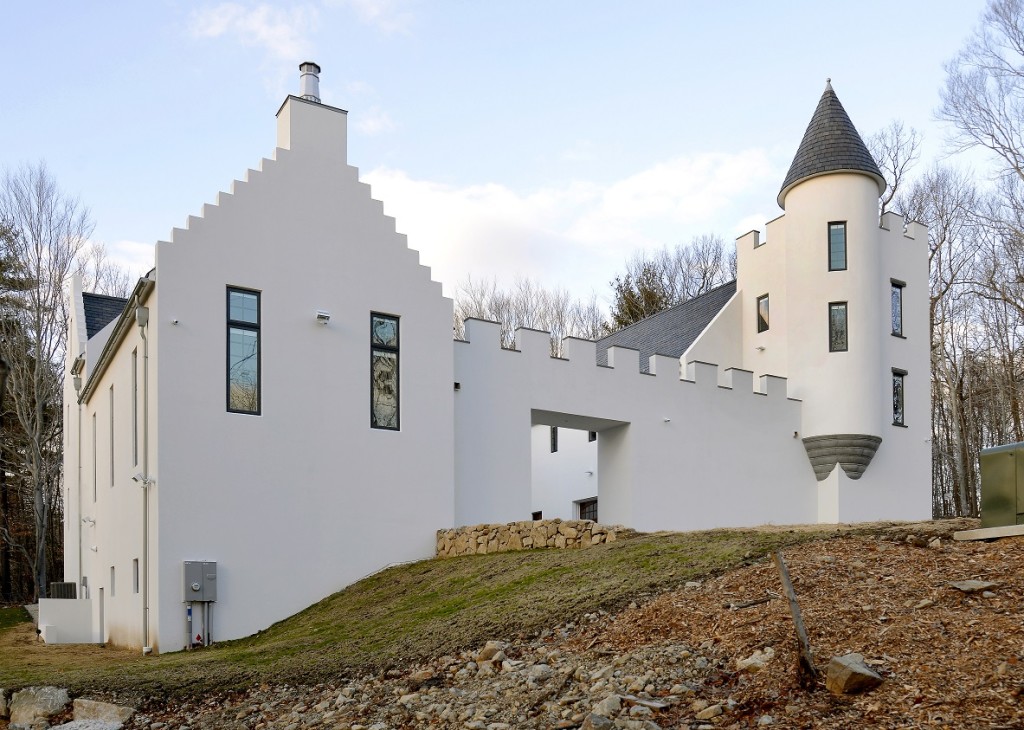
(306,497)
(560,479)
(672,454)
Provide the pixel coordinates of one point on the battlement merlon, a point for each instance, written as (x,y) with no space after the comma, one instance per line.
(896,223)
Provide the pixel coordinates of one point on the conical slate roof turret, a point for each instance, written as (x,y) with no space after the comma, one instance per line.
(830,144)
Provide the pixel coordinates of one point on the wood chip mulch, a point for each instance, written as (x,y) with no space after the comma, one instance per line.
(948,658)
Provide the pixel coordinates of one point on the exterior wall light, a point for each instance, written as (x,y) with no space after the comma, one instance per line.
(323,316)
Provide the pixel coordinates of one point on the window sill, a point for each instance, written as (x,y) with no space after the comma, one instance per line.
(897,334)
(899,425)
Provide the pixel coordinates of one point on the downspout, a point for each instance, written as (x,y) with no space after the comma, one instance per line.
(76,371)
(142,319)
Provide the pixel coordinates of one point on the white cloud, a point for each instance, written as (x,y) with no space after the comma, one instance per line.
(390,16)
(134,257)
(281,33)
(576,235)
(374,121)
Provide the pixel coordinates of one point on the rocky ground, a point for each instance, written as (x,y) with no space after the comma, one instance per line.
(718,654)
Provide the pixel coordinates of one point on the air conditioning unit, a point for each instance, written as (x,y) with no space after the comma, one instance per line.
(62,590)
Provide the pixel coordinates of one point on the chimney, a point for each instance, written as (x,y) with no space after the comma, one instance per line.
(309,81)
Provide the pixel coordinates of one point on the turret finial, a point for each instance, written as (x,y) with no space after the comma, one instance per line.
(828,84)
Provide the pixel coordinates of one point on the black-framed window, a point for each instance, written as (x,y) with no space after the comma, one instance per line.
(243,367)
(591,436)
(536,516)
(837,246)
(896,297)
(838,327)
(762,313)
(898,414)
(588,509)
(384,373)
(554,438)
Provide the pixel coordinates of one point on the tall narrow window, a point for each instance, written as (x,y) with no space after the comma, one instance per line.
(111,436)
(838,338)
(591,435)
(837,246)
(898,416)
(384,404)
(135,407)
(762,313)
(111,581)
(135,575)
(897,307)
(243,374)
(94,457)
(554,439)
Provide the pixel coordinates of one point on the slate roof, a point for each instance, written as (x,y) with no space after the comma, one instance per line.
(830,144)
(671,331)
(100,310)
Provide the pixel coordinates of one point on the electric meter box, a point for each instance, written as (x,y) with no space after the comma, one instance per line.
(200,580)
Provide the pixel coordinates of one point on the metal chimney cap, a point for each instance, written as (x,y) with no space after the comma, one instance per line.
(315,66)
(309,81)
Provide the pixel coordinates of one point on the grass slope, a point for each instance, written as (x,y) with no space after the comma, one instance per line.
(403,614)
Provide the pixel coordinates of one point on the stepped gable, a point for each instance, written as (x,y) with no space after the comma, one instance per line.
(100,310)
(830,144)
(671,331)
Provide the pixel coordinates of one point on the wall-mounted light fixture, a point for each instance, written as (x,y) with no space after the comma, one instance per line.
(323,316)
(89,521)
(94,549)
(667,420)
(759,348)
(143,481)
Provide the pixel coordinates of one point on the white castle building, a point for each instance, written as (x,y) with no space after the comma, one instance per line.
(281,396)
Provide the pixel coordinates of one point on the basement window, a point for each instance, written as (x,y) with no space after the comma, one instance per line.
(587,509)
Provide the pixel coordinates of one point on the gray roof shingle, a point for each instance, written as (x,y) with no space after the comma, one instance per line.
(100,310)
(830,144)
(671,331)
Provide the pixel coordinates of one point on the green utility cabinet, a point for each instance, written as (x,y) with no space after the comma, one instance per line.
(1002,485)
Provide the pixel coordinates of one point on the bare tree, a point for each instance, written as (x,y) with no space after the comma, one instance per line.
(527,304)
(984,93)
(896,149)
(50,231)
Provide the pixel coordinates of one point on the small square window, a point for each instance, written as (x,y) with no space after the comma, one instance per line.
(838,331)
(591,435)
(897,307)
(837,246)
(762,313)
(587,509)
(536,516)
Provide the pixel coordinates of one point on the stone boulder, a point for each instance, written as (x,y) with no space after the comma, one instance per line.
(102,711)
(32,707)
(849,674)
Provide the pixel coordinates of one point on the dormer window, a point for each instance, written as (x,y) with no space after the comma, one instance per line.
(837,246)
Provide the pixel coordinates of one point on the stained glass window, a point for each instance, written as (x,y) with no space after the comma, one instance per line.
(384,372)
(762,313)
(838,331)
(897,308)
(898,417)
(243,377)
(836,246)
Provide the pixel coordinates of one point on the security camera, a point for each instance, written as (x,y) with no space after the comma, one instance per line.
(322,316)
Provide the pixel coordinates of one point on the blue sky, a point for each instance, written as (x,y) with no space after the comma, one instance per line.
(545,139)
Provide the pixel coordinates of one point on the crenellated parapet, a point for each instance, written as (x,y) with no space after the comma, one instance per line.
(533,348)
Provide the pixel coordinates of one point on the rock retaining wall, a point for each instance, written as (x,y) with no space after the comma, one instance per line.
(526,535)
